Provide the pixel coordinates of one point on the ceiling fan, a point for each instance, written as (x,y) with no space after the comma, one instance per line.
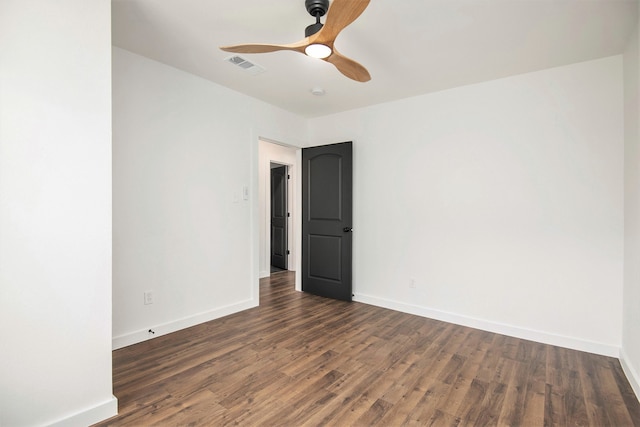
(319,39)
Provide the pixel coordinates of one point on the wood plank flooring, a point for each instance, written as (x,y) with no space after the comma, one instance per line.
(302,360)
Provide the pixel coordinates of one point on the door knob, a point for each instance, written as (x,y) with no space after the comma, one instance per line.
(347,229)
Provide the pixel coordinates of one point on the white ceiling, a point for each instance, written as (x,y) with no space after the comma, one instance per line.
(410,47)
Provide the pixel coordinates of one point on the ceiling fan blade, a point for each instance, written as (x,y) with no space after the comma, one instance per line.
(349,67)
(340,14)
(265,48)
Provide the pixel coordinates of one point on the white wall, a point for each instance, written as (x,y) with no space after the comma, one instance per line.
(503,200)
(184,148)
(55,212)
(268,153)
(630,353)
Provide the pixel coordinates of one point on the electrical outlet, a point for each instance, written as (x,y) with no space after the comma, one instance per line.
(412,283)
(148,297)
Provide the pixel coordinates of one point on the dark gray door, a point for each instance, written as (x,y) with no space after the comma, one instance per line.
(327,220)
(279,216)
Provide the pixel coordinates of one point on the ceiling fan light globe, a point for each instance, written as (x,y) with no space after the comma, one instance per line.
(318,50)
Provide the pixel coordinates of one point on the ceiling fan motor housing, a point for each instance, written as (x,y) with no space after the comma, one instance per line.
(316,8)
(312,29)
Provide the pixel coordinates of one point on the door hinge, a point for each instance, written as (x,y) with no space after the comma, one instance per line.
(288,215)
(288,252)
(288,176)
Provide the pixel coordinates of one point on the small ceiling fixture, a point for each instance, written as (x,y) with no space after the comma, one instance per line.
(318,91)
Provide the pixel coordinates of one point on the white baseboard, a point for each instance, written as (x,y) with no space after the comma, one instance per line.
(630,372)
(91,415)
(264,274)
(176,325)
(499,328)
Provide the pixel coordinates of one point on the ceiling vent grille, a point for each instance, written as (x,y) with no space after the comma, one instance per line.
(246,65)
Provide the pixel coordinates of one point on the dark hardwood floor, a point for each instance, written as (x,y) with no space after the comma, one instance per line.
(299,360)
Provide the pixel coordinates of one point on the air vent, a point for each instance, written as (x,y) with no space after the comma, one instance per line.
(246,65)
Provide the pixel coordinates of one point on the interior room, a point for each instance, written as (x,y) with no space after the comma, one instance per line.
(496,174)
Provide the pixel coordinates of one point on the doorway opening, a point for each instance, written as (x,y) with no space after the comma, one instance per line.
(279,218)
(285,161)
